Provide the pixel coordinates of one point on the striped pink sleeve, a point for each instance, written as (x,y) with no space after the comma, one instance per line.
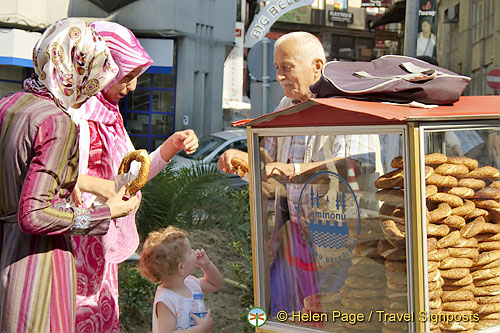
(52,172)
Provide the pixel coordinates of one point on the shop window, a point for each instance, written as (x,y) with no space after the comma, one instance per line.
(352,48)
(149,111)
(12,77)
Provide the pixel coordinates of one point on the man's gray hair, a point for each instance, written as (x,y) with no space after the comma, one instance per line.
(308,45)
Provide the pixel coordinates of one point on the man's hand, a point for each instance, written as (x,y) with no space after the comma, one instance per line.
(279,171)
(224,162)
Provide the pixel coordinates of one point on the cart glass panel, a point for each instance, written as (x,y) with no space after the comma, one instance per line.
(463,225)
(334,250)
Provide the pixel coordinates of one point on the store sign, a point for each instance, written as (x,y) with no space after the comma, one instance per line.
(232,88)
(263,21)
(376,3)
(329,221)
(344,17)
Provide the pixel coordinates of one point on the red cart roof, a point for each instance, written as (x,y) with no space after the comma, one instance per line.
(344,112)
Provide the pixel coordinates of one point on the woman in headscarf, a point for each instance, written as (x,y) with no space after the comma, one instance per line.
(103,143)
(38,171)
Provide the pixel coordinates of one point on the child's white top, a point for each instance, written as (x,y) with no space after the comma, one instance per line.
(179,305)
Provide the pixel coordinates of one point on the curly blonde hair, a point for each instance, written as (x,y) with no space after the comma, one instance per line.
(161,253)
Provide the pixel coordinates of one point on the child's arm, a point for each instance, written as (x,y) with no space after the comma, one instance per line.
(212,280)
(167,321)
(185,140)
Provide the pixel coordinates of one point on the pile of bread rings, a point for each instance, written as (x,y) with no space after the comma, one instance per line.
(463,238)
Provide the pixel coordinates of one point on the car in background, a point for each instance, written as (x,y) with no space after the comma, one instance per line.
(211,147)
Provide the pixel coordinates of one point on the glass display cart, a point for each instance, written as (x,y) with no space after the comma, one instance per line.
(375,217)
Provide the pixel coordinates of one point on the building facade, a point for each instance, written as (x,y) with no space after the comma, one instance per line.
(187,40)
(468,41)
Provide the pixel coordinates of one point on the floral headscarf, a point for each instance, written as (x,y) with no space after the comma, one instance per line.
(70,70)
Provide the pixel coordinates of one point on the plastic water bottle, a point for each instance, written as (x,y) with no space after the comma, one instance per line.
(197,308)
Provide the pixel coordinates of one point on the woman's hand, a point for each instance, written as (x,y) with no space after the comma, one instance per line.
(102,188)
(120,207)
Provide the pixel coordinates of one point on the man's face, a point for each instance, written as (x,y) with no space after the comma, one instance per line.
(293,73)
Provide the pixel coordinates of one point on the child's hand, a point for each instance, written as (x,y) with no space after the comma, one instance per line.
(201,258)
(185,140)
(203,324)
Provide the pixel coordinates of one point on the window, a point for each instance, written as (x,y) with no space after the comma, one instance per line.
(12,77)
(149,111)
(477,21)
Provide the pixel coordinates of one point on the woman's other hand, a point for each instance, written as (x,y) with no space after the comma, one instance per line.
(120,207)
(183,140)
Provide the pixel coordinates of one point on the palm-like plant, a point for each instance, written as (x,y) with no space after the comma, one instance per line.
(188,197)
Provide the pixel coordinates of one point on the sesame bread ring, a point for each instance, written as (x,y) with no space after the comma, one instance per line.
(395,266)
(473,228)
(488,282)
(487,291)
(494,216)
(487,237)
(472,183)
(453,296)
(430,190)
(488,308)
(435,158)
(465,281)
(359,282)
(360,293)
(467,208)
(434,294)
(491,228)
(455,170)
(396,286)
(449,240)
(434,275)
(447,287)
(431,243)
(435,304)
(488,193)
(432,265)
(488,300)
(459,305)
(391,179)
(455,273)
(398,255)
(385,248)
(360,304)
(367,262)
(450,199)
(487,257)
(462,192)
(459,326)
(141,156)
(393,230)
(489,316)
(398,295)
(398,243)
(485,173)
(438,255)
(453,221)
(488,246)
(390,195)
(397,162)
(492,264)
(240,165)
(436,284)
(437,229)
(487,273)
(396,277)
(463,252)
(466,242)
(485,323)
(476,213)
(495,184)
(366,248)
(390,304)
(439,180)
(470,163)
(442,211)
(451,262)
(366,272)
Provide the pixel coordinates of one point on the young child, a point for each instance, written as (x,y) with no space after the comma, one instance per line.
(167,257)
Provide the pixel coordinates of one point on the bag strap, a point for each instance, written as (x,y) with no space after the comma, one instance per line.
(416,73)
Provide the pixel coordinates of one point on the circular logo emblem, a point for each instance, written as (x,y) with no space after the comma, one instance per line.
(257,317)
